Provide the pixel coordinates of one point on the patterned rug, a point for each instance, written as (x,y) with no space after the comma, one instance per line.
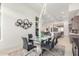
(58,50)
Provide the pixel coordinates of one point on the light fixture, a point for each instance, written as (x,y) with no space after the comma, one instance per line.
(23,23)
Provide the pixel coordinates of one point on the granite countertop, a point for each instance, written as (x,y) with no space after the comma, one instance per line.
(73,35)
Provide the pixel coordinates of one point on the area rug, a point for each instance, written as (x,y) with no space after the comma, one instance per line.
(58,50)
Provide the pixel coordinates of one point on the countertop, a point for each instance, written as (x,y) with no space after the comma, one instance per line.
(73,35)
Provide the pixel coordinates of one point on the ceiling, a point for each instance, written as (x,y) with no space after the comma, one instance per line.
(35,6)
(52,9)
(56,8)
(22,7)
(53,12)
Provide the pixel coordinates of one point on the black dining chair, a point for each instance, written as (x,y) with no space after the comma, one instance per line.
(30,38)
(48,43)
(28,44)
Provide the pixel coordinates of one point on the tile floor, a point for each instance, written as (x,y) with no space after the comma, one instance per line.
(68,46)
(61,41)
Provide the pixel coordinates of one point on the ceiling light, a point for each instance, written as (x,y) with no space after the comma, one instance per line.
(62,12)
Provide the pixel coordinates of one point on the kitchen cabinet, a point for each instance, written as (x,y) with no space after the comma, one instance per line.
(75,47)
(74,35)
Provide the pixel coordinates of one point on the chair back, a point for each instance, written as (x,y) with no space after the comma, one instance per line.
(25,43)
(30,36)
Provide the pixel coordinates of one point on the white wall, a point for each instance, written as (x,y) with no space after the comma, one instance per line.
(11,34)
(73,6)
(66,28)
(0,21)
(73,9)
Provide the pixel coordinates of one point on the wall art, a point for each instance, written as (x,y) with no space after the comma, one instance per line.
(25,23)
